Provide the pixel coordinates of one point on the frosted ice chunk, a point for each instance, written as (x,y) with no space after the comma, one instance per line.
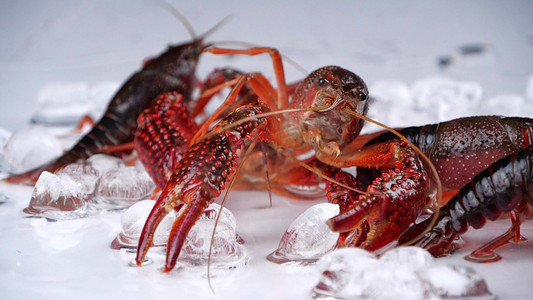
(100,95)
(30,148)
(227,252)
(508,105)
(339,267)
(442,96)
(103,163)
(391,92)
(455,282)
(401,273)
(4,137)
(132,222)
(83,174)
(412,258)
(308,237)
(58,197)
(120,188)
(62,103)
(386,95)
(3,198)
(65,103)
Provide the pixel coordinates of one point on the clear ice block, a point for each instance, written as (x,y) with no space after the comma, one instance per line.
(308,237)
(29,148)
(132,222)
(227,250)
(58,197)
(400,273)
(121,187)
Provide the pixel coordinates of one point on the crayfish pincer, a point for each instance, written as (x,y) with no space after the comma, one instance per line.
(200,176)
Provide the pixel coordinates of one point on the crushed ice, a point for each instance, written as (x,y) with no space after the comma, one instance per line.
(400,273)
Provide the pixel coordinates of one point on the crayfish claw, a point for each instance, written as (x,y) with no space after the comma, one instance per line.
(146,240)
(183,224)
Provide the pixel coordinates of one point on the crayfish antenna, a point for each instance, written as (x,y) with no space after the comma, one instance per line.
(188,25)
(176,13)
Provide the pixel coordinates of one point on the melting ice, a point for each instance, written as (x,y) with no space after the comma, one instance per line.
(132,221)
(83,188)
(227,249)
(308,237)
(121,187)
(400,273)
(29,148)
(67,103)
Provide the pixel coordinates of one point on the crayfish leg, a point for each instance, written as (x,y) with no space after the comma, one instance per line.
(486,254)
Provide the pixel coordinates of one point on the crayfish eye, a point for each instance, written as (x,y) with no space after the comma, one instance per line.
(362,96)
(322,81)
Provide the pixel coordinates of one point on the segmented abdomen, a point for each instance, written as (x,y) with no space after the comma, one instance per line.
(496,190)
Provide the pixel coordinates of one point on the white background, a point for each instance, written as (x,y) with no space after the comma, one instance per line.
(94,41)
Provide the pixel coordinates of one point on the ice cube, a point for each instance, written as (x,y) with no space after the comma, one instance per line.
(338,268)
(391,92)
(308,237)
(3,198)
(29,148)
(508,105)
(100,95)
(58,197)
(455,282)
(132,222)
(4,137)
(120,188)
(227,252)
(103,163)
(386,282)
(401,273)
(413,258)
(385,97)
(83,174)
(443,95)
(62,103)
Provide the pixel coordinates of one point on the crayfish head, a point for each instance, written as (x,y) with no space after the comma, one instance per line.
(332,91)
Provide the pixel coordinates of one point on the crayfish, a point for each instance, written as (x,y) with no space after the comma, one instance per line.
(323,116)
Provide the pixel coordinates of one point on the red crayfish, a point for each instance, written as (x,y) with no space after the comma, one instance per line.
(323,115)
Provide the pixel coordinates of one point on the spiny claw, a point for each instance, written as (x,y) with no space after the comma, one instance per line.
(159,211)
(390,204)
(183,225)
